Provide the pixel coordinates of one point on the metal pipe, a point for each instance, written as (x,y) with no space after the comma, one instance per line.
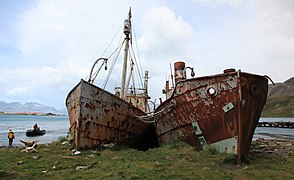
(105,60)
(192,71)
(240,135)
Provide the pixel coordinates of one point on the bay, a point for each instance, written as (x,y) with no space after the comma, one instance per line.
(273,132)
(55,126)
(58,126)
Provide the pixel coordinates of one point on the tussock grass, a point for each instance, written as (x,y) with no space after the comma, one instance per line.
(62,138)
(172,161)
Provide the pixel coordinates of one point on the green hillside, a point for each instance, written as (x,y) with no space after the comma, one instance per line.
(279,107)
(280,100)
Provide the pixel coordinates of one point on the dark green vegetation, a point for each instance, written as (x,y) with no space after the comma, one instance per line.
(176,161)
(280,100)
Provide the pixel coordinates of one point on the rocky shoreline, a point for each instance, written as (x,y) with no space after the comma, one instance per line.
(275,146)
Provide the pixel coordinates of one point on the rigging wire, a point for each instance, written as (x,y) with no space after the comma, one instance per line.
(133,80)
(130,74)
(138,64)
(98,70)
(138,70)
(114,37)
(113,63)
(138,52)
(138,75)
(119,29)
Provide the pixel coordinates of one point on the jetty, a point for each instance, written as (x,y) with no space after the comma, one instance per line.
(278,124)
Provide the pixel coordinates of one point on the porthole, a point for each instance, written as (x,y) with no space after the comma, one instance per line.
(211,91)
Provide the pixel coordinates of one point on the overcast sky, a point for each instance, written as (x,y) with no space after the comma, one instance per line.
(47,46)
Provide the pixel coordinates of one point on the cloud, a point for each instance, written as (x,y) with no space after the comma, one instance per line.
(57,42)
(168,36)
(256,36)
(52,30)
(16,91)
(164,40)
(274,35)
(216,3)
(275,16)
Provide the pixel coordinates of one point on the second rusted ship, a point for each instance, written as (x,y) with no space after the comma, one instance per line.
(220,110)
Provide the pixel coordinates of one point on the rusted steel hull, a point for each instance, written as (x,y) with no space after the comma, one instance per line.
(98,117)
(221,111)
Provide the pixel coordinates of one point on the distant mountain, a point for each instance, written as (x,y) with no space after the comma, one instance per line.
(280,102)
(281,89)
(14,107)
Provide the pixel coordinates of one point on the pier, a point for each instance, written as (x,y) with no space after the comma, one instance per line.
(276,124)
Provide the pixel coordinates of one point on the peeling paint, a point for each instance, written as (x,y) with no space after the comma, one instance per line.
(227,145)
(228,107)
(196,128)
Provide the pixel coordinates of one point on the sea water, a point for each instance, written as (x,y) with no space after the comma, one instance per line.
(55,126)
(58,126)
(273,132)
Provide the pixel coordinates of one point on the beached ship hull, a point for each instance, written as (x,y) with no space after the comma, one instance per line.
(221,111)
(98,117)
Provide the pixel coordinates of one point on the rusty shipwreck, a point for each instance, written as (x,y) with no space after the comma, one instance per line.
(99,117)
(220,110)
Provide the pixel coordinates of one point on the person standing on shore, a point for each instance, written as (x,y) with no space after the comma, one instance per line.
(10,137)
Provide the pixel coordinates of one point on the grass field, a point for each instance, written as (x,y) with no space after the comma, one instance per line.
(174,161)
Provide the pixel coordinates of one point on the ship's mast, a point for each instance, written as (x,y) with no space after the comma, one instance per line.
(127,31)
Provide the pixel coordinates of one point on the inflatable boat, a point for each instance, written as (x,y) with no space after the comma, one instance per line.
(32,132)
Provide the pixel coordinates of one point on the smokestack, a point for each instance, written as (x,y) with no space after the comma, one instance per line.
(180,73)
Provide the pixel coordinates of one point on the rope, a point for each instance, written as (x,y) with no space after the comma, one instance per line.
(152,115)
